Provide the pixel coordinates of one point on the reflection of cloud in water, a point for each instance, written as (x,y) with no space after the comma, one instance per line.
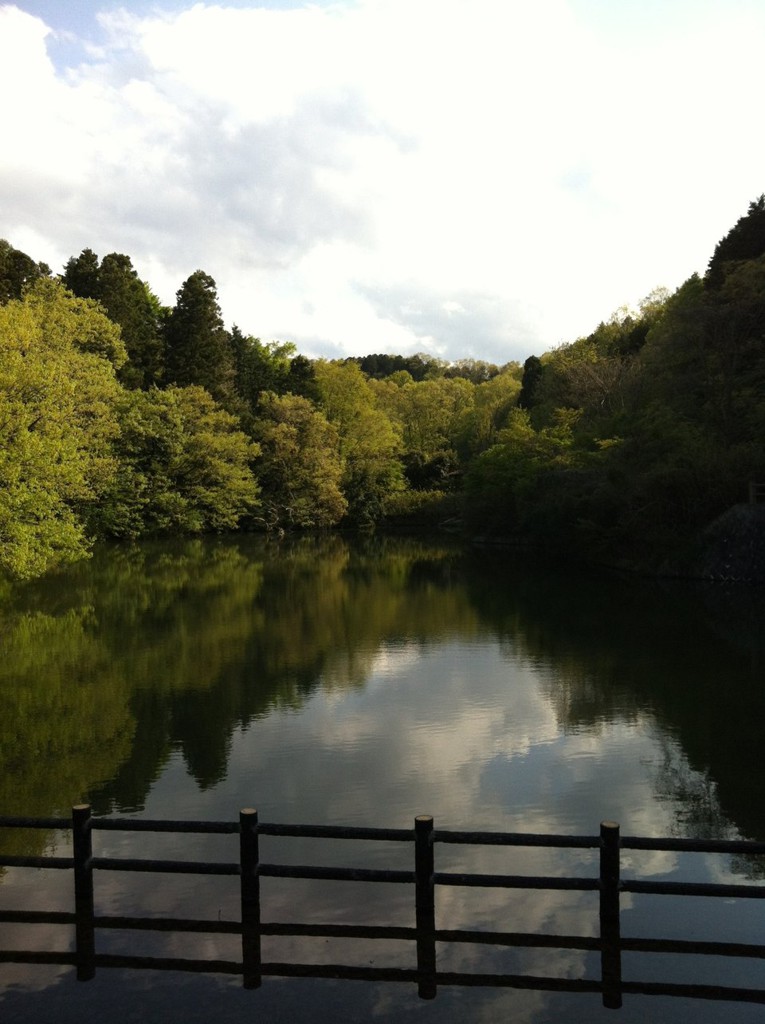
(391,659)
(469,733)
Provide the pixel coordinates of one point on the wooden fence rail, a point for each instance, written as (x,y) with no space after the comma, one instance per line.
(423,876)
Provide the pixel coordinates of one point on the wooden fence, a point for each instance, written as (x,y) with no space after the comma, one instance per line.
(424,878)
(756,493)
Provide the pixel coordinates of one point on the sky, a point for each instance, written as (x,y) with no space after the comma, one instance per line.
(479,179)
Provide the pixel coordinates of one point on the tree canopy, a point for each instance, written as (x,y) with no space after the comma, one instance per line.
(58,388)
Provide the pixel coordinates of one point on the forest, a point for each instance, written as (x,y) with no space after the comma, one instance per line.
(123,418)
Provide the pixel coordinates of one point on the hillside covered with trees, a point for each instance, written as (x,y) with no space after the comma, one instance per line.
(122,418)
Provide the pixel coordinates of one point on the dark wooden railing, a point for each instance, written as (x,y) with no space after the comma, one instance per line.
(423,877)
(756,492)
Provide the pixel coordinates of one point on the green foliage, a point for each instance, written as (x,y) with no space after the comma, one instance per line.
(492,403)
(197,347)
(369,443)
(77,322)
(270,366)
(409,509)
(744,241)
(524,483)
(17,272)
(429,415)
(532,374)
(184,466)
(629,438)
(477,371)
(129,303)
(380,366)
(81,274)
(58,391)
(300,466)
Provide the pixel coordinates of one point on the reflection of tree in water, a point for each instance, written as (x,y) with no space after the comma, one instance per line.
(110,667)
(64,718)
(77,651)
(615,649)
(695,795)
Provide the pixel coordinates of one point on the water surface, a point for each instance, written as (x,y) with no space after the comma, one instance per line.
(362,683)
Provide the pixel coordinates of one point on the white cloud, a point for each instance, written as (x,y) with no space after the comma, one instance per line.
(512,172)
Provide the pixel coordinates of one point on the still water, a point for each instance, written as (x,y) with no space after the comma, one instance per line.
(362,683)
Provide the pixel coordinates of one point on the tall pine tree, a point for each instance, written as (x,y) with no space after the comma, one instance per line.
(197,346)
(129,303)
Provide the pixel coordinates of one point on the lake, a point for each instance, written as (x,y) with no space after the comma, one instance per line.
(361,682)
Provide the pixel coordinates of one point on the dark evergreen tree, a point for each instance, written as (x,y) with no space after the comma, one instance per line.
(198,349)
(532,374)
(744,241)
(301,379)
(17,271)
(129,303)
(81,275)
(381,365)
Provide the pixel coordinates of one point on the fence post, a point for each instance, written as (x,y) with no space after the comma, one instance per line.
(249,859)
(425,906)
(82,850)
(610,938)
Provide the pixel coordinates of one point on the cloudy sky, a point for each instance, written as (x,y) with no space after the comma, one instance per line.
(468,178)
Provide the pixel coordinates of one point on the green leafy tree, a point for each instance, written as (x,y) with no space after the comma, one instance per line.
(379,366)
(300,466)
(477,371)
(481,422)
(508,485)
(369,443)
(184,466)
(58,392)
(429,414)
(261,367)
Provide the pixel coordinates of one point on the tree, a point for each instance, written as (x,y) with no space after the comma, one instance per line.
(481,422)
(80,323)
(508,484)
(300,468)
(379,366)
(260,367)
(128,302)
(197,346)
(532,374)
(81,275)
(301,379)
(58,391)
(429,414)
(184,466)
(475,370)
(744,241)
(17,272)
(369,444)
